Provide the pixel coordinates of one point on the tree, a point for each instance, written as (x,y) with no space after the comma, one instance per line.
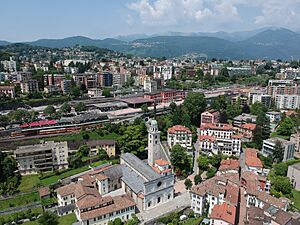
(224,72)
(173,106)
(85,135)
(197,179)
(257,137)
(188,184)
(180,159)
(75,91)
(84,150)
(258,108)
(106,92)
(80,107)
(215,160)
(246,109)
(75,161)
(118,221)
(286,127)
(65,108)
(203,162)
(211,172)
(199,74)
(278,152)
(195,104)
(102,154)
(48,218)
(49,110)
(145,108)
(4,121)
(282,184)
(281,169)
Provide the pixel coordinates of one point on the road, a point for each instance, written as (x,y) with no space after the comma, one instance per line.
(180,202)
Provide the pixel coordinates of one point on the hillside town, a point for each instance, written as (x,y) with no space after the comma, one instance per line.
(90,136)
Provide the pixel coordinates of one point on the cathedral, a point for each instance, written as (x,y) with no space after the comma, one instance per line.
(150,182)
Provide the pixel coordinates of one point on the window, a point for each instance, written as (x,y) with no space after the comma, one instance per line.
(158,200)
(149,204)
(159,184)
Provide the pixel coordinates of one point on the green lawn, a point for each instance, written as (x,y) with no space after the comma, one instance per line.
(29,183)
(53,179)
(296,199)
(98,163)
(63,220)
(20,200)
(274,134)
(67,219)
(192,221)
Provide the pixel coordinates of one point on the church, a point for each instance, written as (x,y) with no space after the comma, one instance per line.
(150,182)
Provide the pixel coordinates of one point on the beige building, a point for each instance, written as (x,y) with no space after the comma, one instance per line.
(294,175)
(108,145)
(42,157)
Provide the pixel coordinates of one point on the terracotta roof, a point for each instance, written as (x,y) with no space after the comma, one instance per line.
(162,162)
(66,190)
(7,88)
(224,212)
(251,158)
(93,201)
(101,177)
(229,164)
(218,126)
(119,203)
(249,126)
(206,138)
(177,128)
(44,191)
(252,182)
(236,137)
(277,202)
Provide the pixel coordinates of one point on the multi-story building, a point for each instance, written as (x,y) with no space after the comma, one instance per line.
(215,191)
(90,207)
(108,145)
(8,91)
(294,175)
(243,119)
(252,162)
(30,86)
(270,144)
(106,79)
(287,101)
(283,87)
(295,138)
(210,117)
(224,214)
(66,86)
(95,92)
(180,135)
(150,86)
(263,98)
(219,138)
(274,117)
(42,157)
(9,65)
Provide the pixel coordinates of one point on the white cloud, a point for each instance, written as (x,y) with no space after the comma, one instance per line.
(216,13)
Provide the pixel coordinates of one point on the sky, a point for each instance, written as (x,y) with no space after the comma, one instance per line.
(28,20)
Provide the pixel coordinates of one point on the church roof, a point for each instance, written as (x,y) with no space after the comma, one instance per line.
(138,165)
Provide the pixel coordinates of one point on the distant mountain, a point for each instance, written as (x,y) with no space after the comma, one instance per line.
(268,43)
(3,43)
(131,37)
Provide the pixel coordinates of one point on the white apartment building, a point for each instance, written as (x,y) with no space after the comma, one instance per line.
(295,138)
(9,65)
(219,138)
(287,101)
(43,157)
(29,86)
(180,135)
(150,86)
(288,146)
(95,93)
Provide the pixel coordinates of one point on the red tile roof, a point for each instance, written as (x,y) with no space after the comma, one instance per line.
(39,123)
(229,164)
(177,128)
(162,162)
(249,126)
(224,212)
(44,191)
(251,158)
(206,138)
(218,126)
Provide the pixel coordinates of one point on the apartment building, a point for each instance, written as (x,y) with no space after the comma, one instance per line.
(238,121)
(42,157)
(210,117)
(252,162)
(108,145)
(219,138)
(294,175)
(287,101)
(30,86)
(274,117)
(262,97)
(295,138)
(8,91)
(215,191)
(270,144)
(66,86)
(180,135)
